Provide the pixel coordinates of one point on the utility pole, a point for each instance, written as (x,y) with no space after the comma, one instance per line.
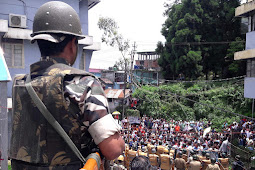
(124,92)
(132,61)
(125,77)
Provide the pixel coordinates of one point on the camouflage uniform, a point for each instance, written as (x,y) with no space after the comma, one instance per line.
(76,100)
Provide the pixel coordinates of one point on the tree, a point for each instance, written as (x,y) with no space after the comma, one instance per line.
(120,64)
(182,26)
(216,101)
(111,35)
(197,35)
(113,38)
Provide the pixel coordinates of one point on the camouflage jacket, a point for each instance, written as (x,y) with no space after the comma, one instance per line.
(67,93)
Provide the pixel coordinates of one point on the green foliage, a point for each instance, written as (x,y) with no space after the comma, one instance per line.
(216,101)
(132,112)
(195,32)
(111,36)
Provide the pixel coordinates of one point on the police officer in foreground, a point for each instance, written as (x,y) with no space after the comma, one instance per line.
(179,162)
(74,97)
(195,164)
(213,165)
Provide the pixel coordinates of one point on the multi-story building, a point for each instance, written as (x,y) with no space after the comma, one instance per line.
(117,77)
(146,68)
(16,21)
(247,12)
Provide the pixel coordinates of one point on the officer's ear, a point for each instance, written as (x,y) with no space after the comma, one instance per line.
(73,45)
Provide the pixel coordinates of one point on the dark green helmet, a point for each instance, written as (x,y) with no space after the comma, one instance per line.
(180,153)
(192,152)
(213,160)
(56,17)
(223,155)
(207,155)
(195,157)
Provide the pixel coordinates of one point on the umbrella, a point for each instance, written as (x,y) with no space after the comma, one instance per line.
(116,113)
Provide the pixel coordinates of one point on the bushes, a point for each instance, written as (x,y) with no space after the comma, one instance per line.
(215,101)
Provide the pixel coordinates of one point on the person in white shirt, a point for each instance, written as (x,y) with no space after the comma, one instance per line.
(225,146)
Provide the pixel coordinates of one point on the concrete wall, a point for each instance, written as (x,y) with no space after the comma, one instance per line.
(250,40)
(31,51)
(3,125)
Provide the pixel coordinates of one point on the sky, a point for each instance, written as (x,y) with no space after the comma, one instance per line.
(139,21)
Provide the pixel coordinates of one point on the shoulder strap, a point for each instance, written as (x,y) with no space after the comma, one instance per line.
(48,116)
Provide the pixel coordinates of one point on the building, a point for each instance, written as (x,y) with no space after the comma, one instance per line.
(148,60)
(146,68)
(4,78)
(16,21)
(115,98)
(247,12)
(117,77)
(96,72)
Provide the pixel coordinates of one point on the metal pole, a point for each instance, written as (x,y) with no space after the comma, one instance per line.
(124,92)
(157,79)
(252,107)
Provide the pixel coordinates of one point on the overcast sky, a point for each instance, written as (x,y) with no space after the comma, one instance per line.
(138,20)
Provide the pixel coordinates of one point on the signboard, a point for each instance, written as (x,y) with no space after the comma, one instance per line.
(249,90)
(134,120)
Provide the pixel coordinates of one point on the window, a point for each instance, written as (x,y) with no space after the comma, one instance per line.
(155,75)
(13,53)
(244,25)
(253,22)
(119,77)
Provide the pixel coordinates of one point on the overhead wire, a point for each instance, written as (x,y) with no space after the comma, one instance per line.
(197,81)
(205,43)
(226,111)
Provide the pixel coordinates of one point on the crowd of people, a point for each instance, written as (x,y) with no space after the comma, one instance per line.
(185,144)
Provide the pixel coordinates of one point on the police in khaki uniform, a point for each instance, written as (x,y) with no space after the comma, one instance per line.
(171,152)
(166,151)
(213,166)
(202,157)
(149,147)
(195,164)
(154,158)
(74,97)
(224,162)
(143,152)
(126,155)
(131,154)
(160,150)
(180,163)
(165,162)
(206,162)
(184,155)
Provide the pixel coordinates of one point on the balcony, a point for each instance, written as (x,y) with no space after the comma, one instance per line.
(245,9)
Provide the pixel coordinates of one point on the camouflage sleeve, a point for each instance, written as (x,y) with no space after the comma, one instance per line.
(88,94)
